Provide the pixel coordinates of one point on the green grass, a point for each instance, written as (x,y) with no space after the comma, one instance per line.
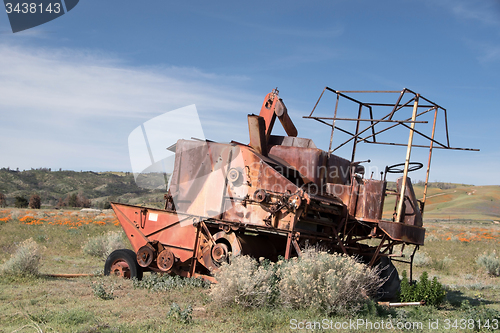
(70,305)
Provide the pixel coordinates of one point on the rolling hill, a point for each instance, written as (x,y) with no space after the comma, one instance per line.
(444,201)
(456,202)
(54,185)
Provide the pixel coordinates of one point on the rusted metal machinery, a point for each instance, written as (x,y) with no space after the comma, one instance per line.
(277,194)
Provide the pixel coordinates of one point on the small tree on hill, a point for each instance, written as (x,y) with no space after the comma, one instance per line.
(20,202)
(61,203)
(82,201)
(72,200)
(3,200)
(35,202)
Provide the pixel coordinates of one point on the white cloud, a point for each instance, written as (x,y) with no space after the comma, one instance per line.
(487,11)
(78,107)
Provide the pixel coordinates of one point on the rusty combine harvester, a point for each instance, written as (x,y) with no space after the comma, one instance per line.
(278,194)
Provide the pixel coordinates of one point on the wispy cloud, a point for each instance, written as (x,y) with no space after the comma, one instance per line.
(486,12)
(75,109)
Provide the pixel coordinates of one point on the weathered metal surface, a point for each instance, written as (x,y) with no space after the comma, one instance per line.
(370,203)
(257,131)
(275,196)
(403,232)
(411,214)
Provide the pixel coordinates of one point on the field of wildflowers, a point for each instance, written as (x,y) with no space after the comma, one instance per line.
(72,219)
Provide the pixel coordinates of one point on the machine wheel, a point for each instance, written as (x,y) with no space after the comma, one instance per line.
(390,289)
(123,263)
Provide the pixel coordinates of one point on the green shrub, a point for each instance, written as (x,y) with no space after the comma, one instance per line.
(25,261)
(481,314)
(329,283)
(159,282)
(490,262)
(432,293)
(101,246)
(21,202)
(99,290)
(184,316)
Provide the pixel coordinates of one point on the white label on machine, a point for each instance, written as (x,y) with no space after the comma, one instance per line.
(153,217)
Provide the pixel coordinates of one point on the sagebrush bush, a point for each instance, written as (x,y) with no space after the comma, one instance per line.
(330,283)
(243,282)
(101,246)
(421,259)
(444,263)
(432,238)
(25,261)
(490,262)
(15,214)
(333,283)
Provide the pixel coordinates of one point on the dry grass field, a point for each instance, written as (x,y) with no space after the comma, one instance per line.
(106,304)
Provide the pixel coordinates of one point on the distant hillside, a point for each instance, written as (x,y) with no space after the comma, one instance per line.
(456,201)
(53,185)
(444,201)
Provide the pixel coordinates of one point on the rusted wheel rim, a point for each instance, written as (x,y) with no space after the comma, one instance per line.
(145,256)
(120,268)
(165,260)
(220,252)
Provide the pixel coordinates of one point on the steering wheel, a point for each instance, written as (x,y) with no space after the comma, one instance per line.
(396,168)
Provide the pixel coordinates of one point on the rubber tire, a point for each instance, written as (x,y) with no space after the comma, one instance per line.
(129,257)
(390,289)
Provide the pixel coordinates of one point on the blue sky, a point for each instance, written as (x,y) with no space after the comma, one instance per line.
(73,89)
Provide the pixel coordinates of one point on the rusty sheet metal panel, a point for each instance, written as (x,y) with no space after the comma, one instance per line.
(309,162)
(199,183)
(370,201)
(257,131)
(143,225)
(338,170)
(290,141)
(403,232)
(412,215)
(267,111)
(253,193)
(343,192)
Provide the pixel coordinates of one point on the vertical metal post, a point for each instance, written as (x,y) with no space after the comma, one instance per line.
(288,246)
(429,162)
(357,132)
(407,161)
(333,124)
(194,259)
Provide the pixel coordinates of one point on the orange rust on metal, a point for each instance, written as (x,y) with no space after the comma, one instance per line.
(257,130)
(273,107)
